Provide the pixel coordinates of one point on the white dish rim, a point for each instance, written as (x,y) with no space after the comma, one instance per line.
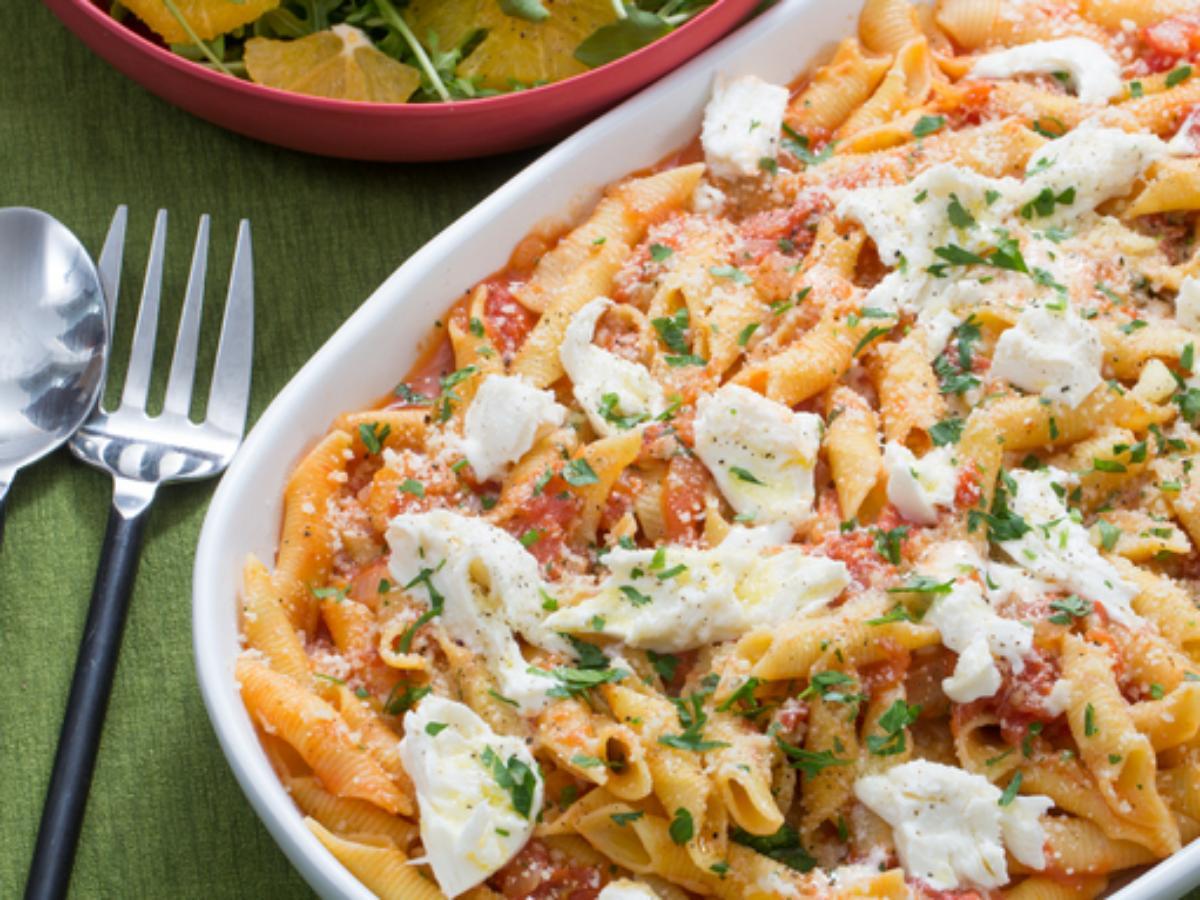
(233,528)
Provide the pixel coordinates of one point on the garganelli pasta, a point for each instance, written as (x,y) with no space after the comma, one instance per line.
(815,519)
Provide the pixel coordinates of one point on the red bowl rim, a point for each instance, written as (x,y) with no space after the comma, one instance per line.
(497,103)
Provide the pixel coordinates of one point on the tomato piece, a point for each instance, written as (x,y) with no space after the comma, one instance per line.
(684,490)
(970,489)
(546,520)
(540,873)
(507,322)
(1174,37)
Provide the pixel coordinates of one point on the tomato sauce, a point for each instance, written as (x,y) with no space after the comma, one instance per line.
(540,873)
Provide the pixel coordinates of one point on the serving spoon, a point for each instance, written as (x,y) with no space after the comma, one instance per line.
(54,337)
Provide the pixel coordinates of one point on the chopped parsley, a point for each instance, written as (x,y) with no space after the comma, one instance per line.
(609,410)
(397,703)
(433,729)
(660,252)
(682,827)
(1012,789)
(373,436)
(947,431)
(892,723)
(733,273)
(436,604)
(888,543)
(927,125)
(1179,75)
(514,777)
(693,718)
(744,475)
(783,846)
(578,472)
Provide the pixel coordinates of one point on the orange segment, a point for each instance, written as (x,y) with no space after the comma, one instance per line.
(208,18)
(515,51)
(340,63)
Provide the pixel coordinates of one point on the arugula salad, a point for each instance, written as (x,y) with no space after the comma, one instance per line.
(410,51)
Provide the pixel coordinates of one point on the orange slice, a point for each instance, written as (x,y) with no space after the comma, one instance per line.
(208,18)
(516,52)
(341,63)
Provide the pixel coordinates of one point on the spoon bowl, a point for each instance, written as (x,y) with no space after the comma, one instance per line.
(54,335)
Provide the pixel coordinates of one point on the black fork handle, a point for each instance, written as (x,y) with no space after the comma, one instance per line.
(83,720)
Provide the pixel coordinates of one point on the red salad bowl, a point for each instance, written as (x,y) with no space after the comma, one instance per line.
(415,132)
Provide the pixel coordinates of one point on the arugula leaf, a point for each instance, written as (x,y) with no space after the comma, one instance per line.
(529,10)
(608,42)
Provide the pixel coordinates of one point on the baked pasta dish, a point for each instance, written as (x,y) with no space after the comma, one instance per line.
(816,518)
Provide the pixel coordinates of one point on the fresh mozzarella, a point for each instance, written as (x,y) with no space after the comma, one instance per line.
(970,626)
(624,889)
(760,453)
(596,373)
(489,588)
(1089,165)
(1095,76)
(707,199)
(949,827)
(742,123)
(916,487)
(470,824)
(1056,547)
(502,422)
(937,328)
(679,598)
(1055,353)
(908,222)
(1187,304)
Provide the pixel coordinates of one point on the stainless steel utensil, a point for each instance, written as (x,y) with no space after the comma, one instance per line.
(141,452)
(54,336)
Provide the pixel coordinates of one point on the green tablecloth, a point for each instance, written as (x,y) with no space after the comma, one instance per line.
(77,138)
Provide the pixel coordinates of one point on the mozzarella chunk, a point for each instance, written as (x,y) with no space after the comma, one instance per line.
(907,222)
(970,626)
(916,487)
(1187,304)
(470,826)
(1056,547)
(489,585)
(1089,164)
(742,123)
(949,827)
(1095,76)
(624,889)
(502,422)
(596,373)
(679,598)
(1054,353)
(760,453)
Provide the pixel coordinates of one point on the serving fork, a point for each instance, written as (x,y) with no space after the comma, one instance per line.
(141,452)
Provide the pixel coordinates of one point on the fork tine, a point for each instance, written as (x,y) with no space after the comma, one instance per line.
(141,357)
(183,363)
(230,393)
(110,262)
(109,269)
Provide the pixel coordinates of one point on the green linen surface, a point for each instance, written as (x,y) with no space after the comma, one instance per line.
(166,817)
